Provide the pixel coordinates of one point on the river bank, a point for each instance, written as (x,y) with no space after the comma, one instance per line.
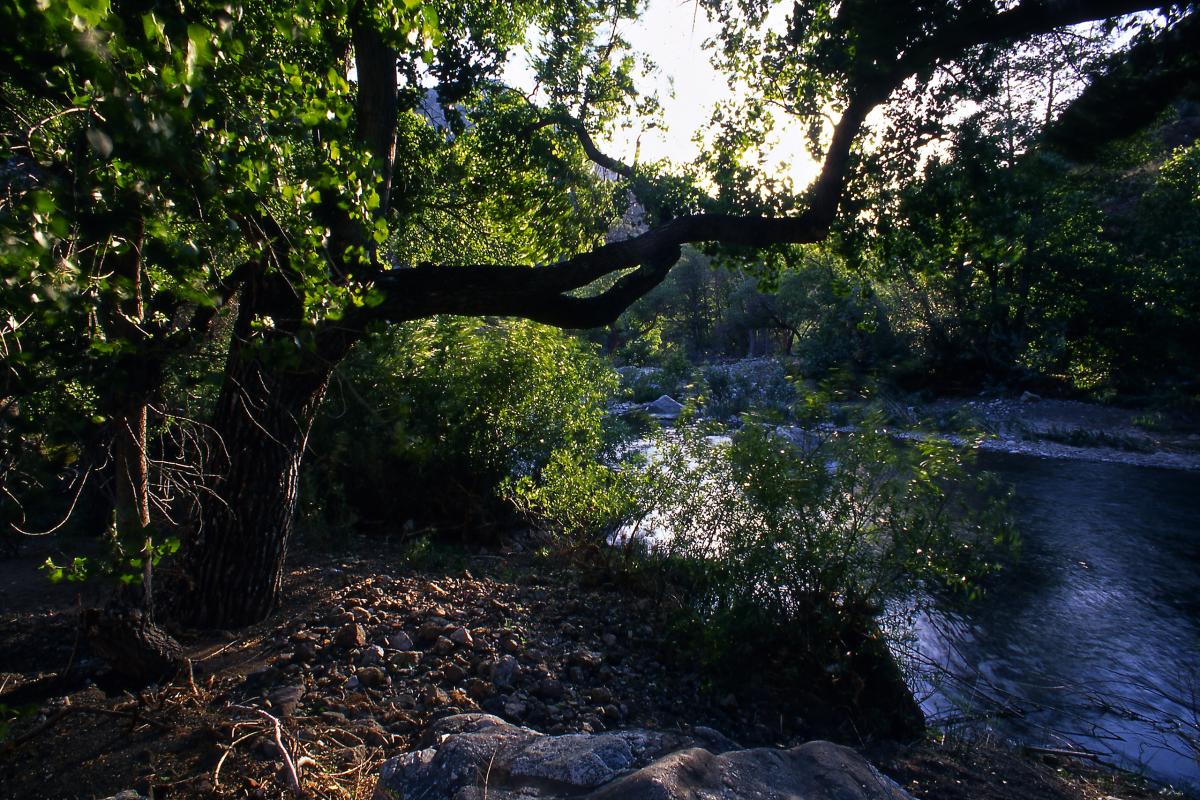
(1021,423)
(373,644)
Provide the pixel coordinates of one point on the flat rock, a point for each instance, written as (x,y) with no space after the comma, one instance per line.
(813,771)
(286,699)
(476,756)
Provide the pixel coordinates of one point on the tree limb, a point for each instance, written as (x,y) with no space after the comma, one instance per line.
(543,293)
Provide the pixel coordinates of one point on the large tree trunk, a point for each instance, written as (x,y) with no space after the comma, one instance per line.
(231,565)
(233,562)
(139,376)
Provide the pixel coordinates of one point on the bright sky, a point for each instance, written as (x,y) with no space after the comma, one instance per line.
(672,33)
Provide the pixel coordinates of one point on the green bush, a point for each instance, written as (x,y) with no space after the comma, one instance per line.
(433,420)
(582,501)
(788,552)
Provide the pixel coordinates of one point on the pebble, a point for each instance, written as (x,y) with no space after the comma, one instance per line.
(371,656)
(515,709)
(371,676)
(550,689)
(453,673)
(351,635)
(286,699)
(406,658)
(506,672)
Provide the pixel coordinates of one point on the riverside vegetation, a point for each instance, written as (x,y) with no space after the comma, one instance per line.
(784,549)
(293,426)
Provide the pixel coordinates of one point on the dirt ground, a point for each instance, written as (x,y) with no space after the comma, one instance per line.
(367,648)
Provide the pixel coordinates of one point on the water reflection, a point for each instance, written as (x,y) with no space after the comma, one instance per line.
(1093,639)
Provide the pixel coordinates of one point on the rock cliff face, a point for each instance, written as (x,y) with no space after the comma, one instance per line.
(478,756)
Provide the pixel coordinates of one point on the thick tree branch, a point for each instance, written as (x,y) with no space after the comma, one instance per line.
(376,100)
(594,153)
(1029,18)
(545,293)
(1137,87)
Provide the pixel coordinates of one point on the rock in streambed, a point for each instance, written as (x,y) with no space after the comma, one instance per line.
(480,755)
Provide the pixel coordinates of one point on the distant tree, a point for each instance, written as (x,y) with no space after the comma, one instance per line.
(1012,262)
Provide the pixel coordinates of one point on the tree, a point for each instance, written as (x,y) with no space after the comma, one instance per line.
(1008,261)
(272,162)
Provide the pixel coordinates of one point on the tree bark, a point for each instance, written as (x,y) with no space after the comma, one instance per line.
(129,399)
(231,566)
(233,562)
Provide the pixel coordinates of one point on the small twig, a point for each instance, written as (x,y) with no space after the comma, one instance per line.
(487,776)
(13,744)
(1053,751)
(192,680)
(218,651)
(217,772)
(283,752)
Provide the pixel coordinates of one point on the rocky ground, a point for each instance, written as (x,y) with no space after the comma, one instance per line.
(1052,428)
(1015,422)
(368,649)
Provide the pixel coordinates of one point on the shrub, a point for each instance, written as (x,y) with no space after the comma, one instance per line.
(430,420)
(787,551)
(582,502)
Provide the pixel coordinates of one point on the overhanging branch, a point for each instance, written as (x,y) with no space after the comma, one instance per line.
(545,293)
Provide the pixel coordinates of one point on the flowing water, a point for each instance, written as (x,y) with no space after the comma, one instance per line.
(1092,640)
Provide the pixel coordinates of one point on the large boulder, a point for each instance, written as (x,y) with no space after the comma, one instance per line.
(665,407)
(477,756)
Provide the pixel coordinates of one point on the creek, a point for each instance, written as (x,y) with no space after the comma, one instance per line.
(1092,638)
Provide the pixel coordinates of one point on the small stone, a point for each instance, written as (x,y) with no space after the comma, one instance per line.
(461,636)
(371,656)
(453,673)
(434,696)
(431,629)
(585,659)
(506,672)
(443,646)
(609,639)
(371,676)
(600,695)
(550,689)
(515,709)
(351,635)
(286,700)
(479,689)
(400,641)
(406,658)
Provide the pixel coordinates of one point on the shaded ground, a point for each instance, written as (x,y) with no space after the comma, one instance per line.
(367,649)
